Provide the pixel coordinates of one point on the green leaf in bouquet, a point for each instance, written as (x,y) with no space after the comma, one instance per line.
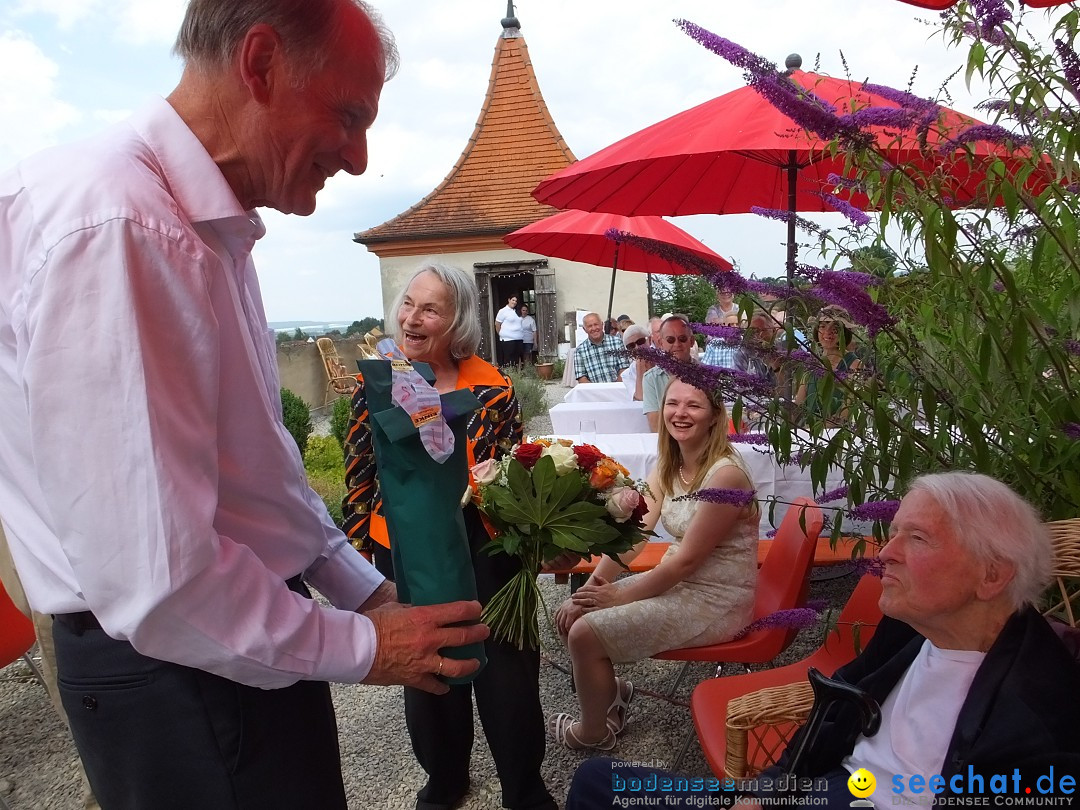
(512,507)
(543,484)
(568,488)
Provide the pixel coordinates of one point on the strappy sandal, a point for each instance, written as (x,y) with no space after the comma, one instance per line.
(621,706)
(561,726)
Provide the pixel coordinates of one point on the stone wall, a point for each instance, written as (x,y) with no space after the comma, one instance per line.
(301,369)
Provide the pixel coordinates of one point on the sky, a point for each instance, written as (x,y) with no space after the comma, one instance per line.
(70,67)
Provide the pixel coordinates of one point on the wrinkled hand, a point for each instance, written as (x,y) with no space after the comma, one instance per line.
(567,559)
(565,616)
(596,594)
(409,640)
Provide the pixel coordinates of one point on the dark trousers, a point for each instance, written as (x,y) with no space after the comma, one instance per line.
(160,736)
(511,352)
(507,700)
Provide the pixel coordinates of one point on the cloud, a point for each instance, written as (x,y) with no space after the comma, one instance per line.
(28,99)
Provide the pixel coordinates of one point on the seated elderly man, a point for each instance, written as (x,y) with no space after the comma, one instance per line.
(601,358)
(676,339)
(978,694)
(635,336)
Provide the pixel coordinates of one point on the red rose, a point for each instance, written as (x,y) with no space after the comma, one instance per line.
(587,456)
(640,511)
(528,455)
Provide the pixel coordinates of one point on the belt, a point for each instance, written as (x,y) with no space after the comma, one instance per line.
(79,623)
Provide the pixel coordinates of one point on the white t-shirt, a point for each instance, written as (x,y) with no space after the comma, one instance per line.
(917,722)
(511,324)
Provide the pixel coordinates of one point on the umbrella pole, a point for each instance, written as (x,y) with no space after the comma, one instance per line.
(611,293)
(792,175)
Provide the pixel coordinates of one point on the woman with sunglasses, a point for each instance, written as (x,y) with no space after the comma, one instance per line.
(677,340)
(636,337)
(701,592)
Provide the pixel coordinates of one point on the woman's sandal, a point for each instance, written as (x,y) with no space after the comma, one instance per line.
(624,693)
(561,726)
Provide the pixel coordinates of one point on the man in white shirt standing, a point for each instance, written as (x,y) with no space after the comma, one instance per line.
(153,500)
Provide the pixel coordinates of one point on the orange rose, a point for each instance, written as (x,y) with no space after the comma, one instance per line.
(601,477)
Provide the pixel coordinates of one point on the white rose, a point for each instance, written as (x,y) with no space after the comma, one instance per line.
(622,502)
(564,458)
(486,472)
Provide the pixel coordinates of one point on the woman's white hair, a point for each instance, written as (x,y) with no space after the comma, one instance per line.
(464,329)
(995,523)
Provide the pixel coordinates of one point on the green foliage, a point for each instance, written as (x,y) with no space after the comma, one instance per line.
(363,326)
(299,334)
(530,393)
(297,417)
(980,371)
(690,295)
(558,367)
(339,419)
(325,466)
(283,337)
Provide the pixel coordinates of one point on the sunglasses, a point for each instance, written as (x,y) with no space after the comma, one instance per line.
(640,342)
(681,339)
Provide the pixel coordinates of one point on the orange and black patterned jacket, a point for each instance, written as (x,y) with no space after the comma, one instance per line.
(491,432)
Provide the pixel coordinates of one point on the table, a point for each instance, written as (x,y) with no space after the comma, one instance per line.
(637,452)
(598,392)
(609,417)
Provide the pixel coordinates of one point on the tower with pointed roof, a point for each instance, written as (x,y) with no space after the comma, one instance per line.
(486,196)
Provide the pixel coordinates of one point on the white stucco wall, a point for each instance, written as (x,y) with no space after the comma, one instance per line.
(578,286)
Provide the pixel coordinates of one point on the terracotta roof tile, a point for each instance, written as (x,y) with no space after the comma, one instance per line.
(514,146)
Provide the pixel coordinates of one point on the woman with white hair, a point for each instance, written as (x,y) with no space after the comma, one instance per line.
(978,693)
(438,323)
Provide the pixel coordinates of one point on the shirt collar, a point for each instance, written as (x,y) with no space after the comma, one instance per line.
(195,181)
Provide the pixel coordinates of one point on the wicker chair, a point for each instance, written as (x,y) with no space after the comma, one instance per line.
(338,379)
(1064,603)
(758,724)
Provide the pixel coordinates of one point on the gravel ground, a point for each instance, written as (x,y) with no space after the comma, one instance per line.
(37,759)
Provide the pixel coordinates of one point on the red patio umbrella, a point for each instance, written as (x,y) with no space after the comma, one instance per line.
(579,236)
(738,151)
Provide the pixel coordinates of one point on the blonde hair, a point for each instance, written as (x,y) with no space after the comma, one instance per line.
(670,457)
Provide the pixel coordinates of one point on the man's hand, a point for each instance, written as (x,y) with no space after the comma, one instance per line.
(567,559)
(409,640)
(385,593)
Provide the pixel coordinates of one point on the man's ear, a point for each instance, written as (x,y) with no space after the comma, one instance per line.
(997,576)
(261,57)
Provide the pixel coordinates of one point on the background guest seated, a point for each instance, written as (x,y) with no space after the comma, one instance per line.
(636,336)
(972,681)
(600,358)
(676,339)
(702,591)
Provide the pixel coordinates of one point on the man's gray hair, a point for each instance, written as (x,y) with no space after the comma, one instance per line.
(995,523)
(464,329)
(212,30)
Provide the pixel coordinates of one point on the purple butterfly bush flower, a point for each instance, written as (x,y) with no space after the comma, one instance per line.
(749,438)
(834,495)
(992,36)
(1071,429)
(1072,346)
(729,334)
(991,133)
(771,533)
(906,100)
(835,289)
(846,182)
(869,565)
(856,216)
(788,216)
(807,361)
(1070,65)
(893,117)
(792,618)
(810,273)
(726,49)
(731,497)
(883,511)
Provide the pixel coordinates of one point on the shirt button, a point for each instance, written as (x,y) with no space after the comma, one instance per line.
(89,703)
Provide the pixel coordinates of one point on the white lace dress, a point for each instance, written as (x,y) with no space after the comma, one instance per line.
(709,607)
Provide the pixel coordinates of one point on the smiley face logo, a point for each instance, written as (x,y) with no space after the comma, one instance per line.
(861,783)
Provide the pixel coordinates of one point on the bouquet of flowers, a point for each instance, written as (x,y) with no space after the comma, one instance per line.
(546,498)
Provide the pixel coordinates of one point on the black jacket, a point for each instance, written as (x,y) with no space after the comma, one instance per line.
(1021,712)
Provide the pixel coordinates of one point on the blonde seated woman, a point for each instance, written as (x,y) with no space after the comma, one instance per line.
(702,591)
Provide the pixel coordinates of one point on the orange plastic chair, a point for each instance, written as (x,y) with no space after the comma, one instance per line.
(783,581)
(737,740)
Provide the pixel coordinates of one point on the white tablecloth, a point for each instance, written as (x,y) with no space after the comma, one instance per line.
(637,452)
(598,392)
(609,417)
